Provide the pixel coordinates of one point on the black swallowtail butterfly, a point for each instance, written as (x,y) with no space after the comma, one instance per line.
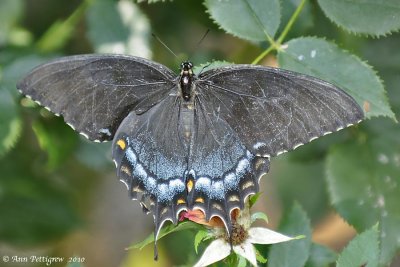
(189,142)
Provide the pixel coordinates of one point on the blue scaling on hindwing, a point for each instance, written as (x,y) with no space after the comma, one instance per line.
(164,196)
(214,195)
(223,170)
(158,162)
(152,161)
(210,170)
(141,179)
(131,156)
(219,195)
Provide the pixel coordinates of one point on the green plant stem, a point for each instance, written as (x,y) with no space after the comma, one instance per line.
(61,31)
(291,21)
(263,54)
(276,45)
(269,38)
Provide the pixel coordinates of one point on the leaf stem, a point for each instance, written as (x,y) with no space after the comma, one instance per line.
(275,45)
(61,31)
(291,21)
(269,38)
(263,54)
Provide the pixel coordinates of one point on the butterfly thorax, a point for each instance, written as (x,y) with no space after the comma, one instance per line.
(186,80)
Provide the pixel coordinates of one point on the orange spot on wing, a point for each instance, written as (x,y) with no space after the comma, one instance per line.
(121,143)
(181,201)
(199,200)
(126,170)
(189,185)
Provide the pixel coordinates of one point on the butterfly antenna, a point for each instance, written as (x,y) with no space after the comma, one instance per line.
(202,38)
(169,49)
(204,67)
(200,41)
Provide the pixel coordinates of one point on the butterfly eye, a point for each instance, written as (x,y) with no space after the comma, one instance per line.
(186,65)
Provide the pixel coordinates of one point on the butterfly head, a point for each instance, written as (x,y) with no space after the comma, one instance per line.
(187,67)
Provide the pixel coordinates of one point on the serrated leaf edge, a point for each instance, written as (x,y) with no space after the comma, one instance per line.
(373,228)
(220,27)
(358,33)
(364,63)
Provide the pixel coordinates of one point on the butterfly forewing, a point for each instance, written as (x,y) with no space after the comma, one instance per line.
(95,92)
(273,110)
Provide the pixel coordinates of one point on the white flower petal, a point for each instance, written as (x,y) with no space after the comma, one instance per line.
(216,251)
(247,251)
(259,235)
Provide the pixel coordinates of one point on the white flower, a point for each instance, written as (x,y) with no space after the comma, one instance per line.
(220,248)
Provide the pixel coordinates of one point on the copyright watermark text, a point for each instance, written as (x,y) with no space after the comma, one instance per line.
(47,260)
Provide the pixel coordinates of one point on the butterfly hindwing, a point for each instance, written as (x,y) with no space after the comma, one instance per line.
(95,92)
(151,159)
(274,110)
(224,172)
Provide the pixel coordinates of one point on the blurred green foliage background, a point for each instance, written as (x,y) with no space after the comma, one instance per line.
(58,192)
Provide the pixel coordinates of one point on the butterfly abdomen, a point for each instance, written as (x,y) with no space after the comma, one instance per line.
(187,122)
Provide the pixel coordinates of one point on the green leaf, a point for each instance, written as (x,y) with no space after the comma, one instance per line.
(313,153)
(363,250)
(253,199)
(296,252)
(320,256)
(10,122)
(94,155)
(322,59)
(59,33)
(296,181)
(377,17)
(242,262)
(27,221)
(10,11)
(57,139)
(259,216)
(118,27)
(259,256)
(16,70)
(166,230)
(210,65)
(259,20)
(200,236)
(363,181)
(387,62)
(33,207)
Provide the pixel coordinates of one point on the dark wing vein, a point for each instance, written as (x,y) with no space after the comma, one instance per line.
(274,110)
(95,92)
